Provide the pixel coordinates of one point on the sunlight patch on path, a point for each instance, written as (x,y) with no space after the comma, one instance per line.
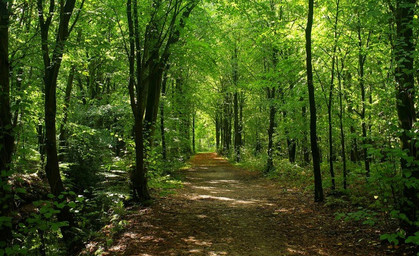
(221,198)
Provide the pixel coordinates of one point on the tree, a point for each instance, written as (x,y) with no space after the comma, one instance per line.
(52,64)
(318,187)
(6,126)
(403,51)
(148,59)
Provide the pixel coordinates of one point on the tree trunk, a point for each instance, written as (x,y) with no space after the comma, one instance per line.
(342,132)
(404,50)
(227,124)
(329,105)
(138,175)
(217,130)
(292,150)
(237,132)
(193,133)
(318,187)
(271,130)
(6,127)
(162,125)
(52,64)
(306,152)
(361,62)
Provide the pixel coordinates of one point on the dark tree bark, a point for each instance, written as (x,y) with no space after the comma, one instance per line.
(404,50)
(304,147)
(318,187)
(6,126)
(138,175)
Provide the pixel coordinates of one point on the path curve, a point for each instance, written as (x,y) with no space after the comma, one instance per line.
(223,210)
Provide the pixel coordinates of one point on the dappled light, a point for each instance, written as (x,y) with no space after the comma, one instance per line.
(255,218)
(226,199)
(209,127)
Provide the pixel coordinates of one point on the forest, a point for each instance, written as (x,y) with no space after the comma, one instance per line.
(209,127)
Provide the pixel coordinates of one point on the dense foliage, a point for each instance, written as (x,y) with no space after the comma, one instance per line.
(100,101)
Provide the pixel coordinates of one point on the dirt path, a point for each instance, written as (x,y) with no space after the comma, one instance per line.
(226,211)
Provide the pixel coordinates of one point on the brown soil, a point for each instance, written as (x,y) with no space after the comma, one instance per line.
(223,210)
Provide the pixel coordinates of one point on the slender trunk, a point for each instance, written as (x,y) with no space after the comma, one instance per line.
(292,146)
(241,103)
(217,130)
(272,112)
(342,132)
(306,152)
(361,62)
(227,124)
(162,126)
(329,106)
(292,150)
(404,50)
(193,133)
(6,127)
(318,187)
(237,132)
(41,142)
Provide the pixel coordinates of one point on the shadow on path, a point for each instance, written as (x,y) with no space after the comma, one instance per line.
(223,210)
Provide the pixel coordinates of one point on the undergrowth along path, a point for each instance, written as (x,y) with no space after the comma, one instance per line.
(223,210)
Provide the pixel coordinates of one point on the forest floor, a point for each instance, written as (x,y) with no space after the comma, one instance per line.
(223,210)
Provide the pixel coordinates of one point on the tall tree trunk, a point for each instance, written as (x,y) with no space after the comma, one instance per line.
(6,127)
(193,132)
(330,103)
(227,123)
(241,105)
(138,175)
(318,187)
(342,131)
(41,142)
(292,150)
(361,63)
(404,50)
(304,147)
(162,124)
(217,130)
(237,132)
(291,144)
(272,113)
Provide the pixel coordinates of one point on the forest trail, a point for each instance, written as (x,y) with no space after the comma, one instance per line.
(222,210)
